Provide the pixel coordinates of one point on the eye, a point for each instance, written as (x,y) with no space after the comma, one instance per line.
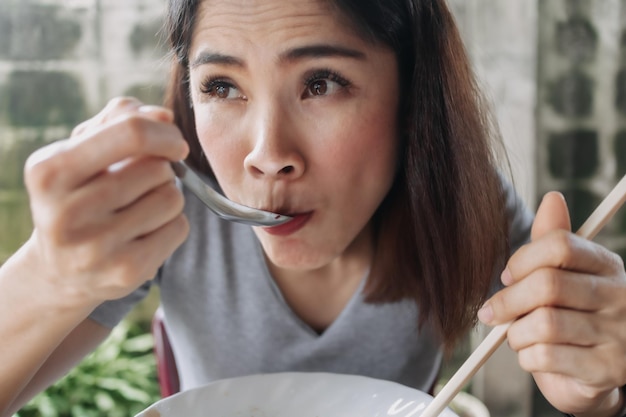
(324,83)
(220,89)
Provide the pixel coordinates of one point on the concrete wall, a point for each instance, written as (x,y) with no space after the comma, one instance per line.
(60,62)
(582,105)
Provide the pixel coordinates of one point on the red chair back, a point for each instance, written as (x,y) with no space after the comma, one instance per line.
(166,363)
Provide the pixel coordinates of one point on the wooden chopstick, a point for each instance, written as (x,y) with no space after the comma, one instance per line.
(596,221)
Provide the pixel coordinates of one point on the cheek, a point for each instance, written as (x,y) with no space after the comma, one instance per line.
(367,148)
(216,139)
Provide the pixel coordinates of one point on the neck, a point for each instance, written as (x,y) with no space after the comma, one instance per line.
(318,296)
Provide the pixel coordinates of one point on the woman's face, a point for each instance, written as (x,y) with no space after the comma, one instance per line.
(297,115)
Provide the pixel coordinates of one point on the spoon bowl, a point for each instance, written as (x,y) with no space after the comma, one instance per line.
(222,206)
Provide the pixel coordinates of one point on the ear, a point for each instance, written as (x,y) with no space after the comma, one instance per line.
(552,214)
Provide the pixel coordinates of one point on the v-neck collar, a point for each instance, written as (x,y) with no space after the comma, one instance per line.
(305,327)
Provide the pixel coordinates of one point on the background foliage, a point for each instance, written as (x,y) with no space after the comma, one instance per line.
(117,380)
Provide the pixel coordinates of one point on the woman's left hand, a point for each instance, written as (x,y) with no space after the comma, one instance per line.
(567,296)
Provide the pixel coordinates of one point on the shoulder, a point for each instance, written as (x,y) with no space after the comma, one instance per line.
(519,214)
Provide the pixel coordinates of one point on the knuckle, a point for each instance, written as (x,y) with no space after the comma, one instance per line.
(177,232)
(135,131)
(53,230)
(564,247)
(549,286)
(172,196)
(88,257)
(133,268)
(79,129)
(615,262)
(42,173)
(60,229)
(160,170)
(542,357)
(127,271)
(499,303)
(548,327)
(606,359)
(57,224)
(178,199)
(182,226)
(122,102)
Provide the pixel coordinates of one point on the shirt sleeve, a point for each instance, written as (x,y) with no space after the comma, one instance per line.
(520,218)
(110,313)
(520,222)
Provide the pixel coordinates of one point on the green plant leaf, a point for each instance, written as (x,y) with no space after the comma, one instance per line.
(116,380)
(125,389)
(141,344)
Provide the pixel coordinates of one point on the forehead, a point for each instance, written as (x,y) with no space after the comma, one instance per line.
(263,23)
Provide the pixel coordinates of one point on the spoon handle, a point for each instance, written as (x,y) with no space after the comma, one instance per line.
(222,206)
(596,221)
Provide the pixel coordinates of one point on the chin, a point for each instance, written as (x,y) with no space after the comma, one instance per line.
(296,260)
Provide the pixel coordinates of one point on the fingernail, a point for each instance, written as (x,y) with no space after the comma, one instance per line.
(506,277)
(485,314)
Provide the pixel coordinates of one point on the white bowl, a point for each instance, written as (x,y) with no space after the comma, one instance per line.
(295,394)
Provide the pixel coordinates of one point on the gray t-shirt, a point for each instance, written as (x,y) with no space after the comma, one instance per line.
(226,317)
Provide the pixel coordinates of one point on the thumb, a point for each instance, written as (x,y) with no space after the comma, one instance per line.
(552,214)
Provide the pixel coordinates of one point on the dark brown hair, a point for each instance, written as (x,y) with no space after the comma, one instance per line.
(442,229)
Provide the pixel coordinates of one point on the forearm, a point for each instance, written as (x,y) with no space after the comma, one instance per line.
(34,320)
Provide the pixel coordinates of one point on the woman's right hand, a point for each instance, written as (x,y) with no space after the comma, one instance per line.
(106,210)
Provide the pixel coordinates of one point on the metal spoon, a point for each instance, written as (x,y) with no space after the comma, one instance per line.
(222,206)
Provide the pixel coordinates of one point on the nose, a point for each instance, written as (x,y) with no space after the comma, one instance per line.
(275,150)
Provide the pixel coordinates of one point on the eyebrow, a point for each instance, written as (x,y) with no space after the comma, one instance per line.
(321,51)
(295,54)
(208,57)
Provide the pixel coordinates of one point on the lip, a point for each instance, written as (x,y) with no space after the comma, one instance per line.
(292,226)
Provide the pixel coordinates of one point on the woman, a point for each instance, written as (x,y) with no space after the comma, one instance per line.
(361,120)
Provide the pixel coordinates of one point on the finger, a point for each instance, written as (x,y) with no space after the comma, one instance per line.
(116,189)
(552,214)
(560,249)
(129,136)
(124,105)
(549,287)
(41,163)
(593,366)
(149,252)
(133,263)
(112,109)
(149,213)
(96,241)
(547,325)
